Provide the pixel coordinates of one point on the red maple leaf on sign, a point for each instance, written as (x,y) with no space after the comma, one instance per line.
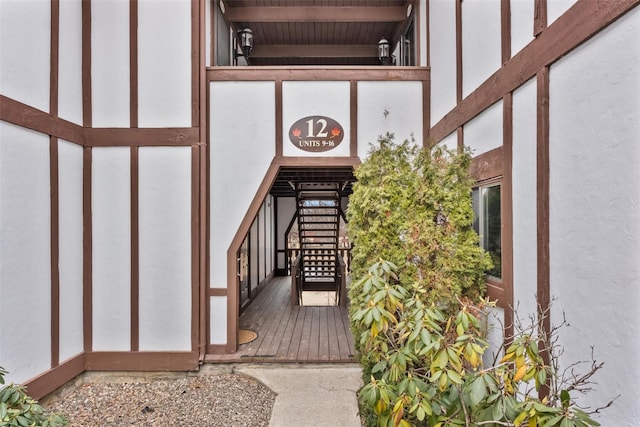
(296,132)
(335,132)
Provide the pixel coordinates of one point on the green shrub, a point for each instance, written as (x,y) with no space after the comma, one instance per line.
(428,365)
(18,409)
(412,207)
(417,310)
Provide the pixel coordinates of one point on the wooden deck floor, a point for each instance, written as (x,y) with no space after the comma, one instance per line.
(291,334)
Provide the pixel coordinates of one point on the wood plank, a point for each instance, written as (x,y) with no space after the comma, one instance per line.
(314,336)
(287,338)
(305,338)
(347,348)
(323,338)
(333,315)
(278,336)
(296,336)
(272,325)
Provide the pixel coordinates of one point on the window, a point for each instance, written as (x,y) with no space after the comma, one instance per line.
(407,46)
(487,223)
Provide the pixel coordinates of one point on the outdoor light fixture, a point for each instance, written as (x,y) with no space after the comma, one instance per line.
(383,52)
(245,37)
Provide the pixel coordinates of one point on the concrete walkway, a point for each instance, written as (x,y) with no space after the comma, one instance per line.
(312,395)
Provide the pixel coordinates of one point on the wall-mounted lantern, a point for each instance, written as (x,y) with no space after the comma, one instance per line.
(384,54)
(245,38)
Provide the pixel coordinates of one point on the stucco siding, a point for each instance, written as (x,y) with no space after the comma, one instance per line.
(442,51)
(165,248)
(525,196)
(394,107)
(110,79)
(164,63)
(70,246)
(484,132)
(111,248)
(595,211)
(522,14)
(25,253)
(481,32)
(70,61)
(25,28)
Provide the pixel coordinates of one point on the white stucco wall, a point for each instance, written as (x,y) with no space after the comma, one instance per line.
(403,103)
(595,214)
(303,99)
(524,200)
(25,253)
(522,14)
(70,61)
(442,51)
(242,117)
(481,46)
(70,224)
(164,224)
(242,147)
(217,320)
(25,32)
(164,63)
(111,249)
(450,142)
(110,91)
(495,336)
(484,132)
(555,8)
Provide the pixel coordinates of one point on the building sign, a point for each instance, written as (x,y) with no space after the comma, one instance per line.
(316,133)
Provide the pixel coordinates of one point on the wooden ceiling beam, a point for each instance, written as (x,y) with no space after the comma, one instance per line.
(316,14)
(314,51)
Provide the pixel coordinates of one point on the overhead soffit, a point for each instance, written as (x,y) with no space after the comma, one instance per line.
(317,32)
(289,177)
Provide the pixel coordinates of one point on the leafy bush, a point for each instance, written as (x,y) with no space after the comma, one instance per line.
(413,208)
(428,366)
(18,409)
(419,318)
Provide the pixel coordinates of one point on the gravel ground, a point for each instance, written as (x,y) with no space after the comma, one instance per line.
(216,399)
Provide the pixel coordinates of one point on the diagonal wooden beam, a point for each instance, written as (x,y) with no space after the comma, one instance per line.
(316,14)
(314,51)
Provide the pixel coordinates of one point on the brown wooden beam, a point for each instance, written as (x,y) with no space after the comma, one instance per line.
(23,115)
(135,248)
(55,250)
(487,165)
(123,137)
(506,209)
(141,361)
(315,51)
(52,379)
(319,73)
(316,14)
(87,251)
(539,16)
(543,290)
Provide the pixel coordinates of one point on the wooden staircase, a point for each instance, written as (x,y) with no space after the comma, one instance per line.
(319,264)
